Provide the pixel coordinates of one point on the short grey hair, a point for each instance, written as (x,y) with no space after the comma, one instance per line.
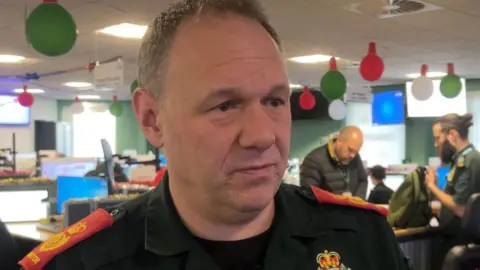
(156,44)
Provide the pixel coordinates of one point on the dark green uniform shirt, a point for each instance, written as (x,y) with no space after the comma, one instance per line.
(148,234)
(463,181)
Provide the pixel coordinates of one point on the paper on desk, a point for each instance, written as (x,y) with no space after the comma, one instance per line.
(143,173)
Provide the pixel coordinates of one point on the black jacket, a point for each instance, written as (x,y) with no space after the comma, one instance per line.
(322,170)
(8,249)
(148,233)
(380,194)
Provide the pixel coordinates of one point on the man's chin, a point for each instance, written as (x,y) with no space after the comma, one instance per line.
(257,197)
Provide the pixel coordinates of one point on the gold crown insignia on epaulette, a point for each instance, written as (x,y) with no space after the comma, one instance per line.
(328,260)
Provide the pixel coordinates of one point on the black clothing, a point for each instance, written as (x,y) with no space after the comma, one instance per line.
(244,254)
(8,249)
(149,234)
(380,194)
(321,169)
(462,181)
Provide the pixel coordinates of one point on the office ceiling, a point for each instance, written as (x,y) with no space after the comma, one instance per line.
(441,31)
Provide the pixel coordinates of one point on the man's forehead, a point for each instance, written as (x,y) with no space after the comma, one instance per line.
(231,53)
(354,143)
(437,131)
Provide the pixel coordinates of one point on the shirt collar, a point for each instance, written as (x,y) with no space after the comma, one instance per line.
(165,233)
(462,152)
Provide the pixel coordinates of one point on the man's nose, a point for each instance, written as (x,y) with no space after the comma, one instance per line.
(257,129)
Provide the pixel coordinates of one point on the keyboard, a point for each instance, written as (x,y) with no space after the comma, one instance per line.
(50,227)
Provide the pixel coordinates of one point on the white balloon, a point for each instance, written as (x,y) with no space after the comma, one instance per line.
(337,109)
(422,88)
(76,108)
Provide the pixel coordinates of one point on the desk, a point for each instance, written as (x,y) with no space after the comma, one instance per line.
(27,230)
(416,244)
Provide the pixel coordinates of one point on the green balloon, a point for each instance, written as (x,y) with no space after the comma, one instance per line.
(450,86)
(116,109)
(51,30)
(133,86)
(333,84)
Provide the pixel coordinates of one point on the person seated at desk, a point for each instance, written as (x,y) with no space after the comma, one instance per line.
(336,166)
(380,194)
(451,141)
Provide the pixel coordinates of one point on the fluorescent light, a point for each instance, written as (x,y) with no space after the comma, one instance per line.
(432,74)
(88,97)
(125,30)
(78,84)
(312,59)
(29,90)
(295,86)
(7,58)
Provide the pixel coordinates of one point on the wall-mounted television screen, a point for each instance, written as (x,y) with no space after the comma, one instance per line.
(12,113)
(388,108)
(437,105)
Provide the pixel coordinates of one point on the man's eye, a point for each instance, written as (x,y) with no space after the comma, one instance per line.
(275,102)
(224,106)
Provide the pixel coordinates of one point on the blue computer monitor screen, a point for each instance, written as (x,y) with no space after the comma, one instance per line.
(442,173)
(388,108)
(71,187)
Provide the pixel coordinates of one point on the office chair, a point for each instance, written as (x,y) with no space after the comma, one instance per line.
(467,257)
(109,174)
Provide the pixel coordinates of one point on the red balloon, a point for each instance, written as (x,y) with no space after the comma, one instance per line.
(25,99)
(307,100)
(372,67)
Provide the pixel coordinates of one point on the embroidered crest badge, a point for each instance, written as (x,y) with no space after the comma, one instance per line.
(460,161)
(451,175)
(330,260)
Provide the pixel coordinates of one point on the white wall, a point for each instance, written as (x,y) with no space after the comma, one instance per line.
(42,109)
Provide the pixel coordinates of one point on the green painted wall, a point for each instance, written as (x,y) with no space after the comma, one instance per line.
(307,135)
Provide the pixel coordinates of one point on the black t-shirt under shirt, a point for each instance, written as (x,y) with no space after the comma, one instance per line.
(246,254)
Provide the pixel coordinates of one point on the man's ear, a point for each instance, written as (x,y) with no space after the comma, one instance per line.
(147,111)
(452,136)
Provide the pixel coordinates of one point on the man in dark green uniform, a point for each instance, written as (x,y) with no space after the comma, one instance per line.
(214,94)
(451,141)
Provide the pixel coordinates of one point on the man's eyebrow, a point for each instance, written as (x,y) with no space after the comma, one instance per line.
(279,89)
(229,92)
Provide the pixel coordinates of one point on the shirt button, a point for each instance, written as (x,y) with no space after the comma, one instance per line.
(114,212)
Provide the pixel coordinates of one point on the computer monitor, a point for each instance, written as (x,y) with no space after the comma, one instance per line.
(442,173)
(72,187)
(54,169)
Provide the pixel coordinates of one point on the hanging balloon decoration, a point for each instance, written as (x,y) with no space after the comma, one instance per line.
(50,29)
(307,100)
(77,107)
(337,110)
(422,87)
(371,66)
(116,109)
(134,86)
(451,84)
(25,98)
(333,83)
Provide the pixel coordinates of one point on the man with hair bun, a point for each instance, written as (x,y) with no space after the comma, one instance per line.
(451,141)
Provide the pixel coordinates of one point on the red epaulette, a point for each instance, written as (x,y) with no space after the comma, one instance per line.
(46,251)
(330,198)
(159,176)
